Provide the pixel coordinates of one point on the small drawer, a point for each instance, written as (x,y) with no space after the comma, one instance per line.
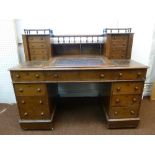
(37,45)
(118,55)
(119,43)
(62,76)
(27,76)
(120,37)
(127,88)
(118,49)
(30,89)
(136,74)
(96,75)
(42,51)
(124,112)
(36,39)
(39,57)
(33,107)
(125,100)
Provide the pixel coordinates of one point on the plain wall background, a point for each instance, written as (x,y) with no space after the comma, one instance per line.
(74,17)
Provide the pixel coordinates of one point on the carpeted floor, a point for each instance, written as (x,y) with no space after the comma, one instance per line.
(79,119)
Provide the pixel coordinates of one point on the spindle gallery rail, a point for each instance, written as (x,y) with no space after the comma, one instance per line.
(116,30)
(78,39)
(38,31)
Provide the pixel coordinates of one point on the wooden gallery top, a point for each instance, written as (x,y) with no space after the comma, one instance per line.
(53,59)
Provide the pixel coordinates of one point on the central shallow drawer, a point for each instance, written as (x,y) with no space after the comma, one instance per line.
(61,76)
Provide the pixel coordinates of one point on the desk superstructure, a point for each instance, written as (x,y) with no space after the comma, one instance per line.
(52,59)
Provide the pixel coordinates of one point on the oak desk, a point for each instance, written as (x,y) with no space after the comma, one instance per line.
(35,85)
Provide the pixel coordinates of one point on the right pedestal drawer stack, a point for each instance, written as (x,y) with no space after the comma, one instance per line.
(123,106)
(126,99)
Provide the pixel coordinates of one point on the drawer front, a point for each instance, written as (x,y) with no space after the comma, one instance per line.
(136,74)
(127,88)
(27,76)
(118,55)
(33,107)
(30,89)
(119,37)
(125,100)
(124,112)
(42,51)
(37,45)
(36,39)
(61,76)
(96,75)
(39,57)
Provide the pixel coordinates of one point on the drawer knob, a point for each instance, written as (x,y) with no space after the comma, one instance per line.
(37,75)
(23,102)
(17,76)
(115,113)
(136,88)
(38,89)
(139,74)
(102,75)
(120,74)
(42,114)
(41,102)
(25,114)
(134,99)
(118,88)
(20,90)
(117,100)
(56,75)
(132,112)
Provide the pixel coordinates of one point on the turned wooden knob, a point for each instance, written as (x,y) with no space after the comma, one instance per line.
(134,99)
(41,102)
(23,102)
(42,114)
(20,90)
(115,113)
(136,88)
(37,75)
(56,75)
(117,100)
(102,75)
(118,88)
(132,112)
(17,76)
(139,74)
(25,114)
(120,74)
(38,89)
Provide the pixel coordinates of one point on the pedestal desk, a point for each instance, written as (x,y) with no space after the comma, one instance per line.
(36,80)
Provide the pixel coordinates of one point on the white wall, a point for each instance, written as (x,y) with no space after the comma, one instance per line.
(68,17)
(8,59)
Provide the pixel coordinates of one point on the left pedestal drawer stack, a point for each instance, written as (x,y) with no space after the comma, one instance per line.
(35,106)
